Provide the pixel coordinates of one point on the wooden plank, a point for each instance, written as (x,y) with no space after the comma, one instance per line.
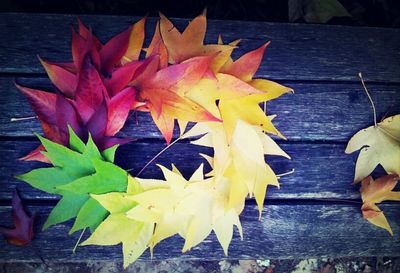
(316,112)
(284,232)
(321,170)
(298,51)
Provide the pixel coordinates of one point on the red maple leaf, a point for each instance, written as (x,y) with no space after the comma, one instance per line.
(93,95)
(116,61)
(22,234)
(91,110)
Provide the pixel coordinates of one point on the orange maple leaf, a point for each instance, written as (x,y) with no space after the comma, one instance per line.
(157,47)
(377,191)
(190,43)
(163,92)
(246,67)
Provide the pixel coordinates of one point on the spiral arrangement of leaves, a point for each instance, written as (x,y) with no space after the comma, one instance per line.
(181,79)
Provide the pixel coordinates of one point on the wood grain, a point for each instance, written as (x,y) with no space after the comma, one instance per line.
(285,231)
(306,217)
(316,112)
(321,170)
(298,51)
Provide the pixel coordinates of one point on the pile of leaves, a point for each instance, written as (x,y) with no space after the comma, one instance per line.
(179,79)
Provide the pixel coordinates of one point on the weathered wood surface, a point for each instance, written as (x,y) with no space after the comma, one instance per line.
(321,170)
(316,112)
(285,231)
(307,217)
(298,52)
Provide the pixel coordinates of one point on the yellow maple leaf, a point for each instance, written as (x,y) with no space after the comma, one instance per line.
(191,208)
(237,100)
(379,144)
(135,44)
(118,228)
(240,161)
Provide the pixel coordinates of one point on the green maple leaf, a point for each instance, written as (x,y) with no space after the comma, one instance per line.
(118,228)
(77,172)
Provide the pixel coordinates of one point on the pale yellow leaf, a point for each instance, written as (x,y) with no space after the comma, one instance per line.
(198,175)
(223,229)
(379,145)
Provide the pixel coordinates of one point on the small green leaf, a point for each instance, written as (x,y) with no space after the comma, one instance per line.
(109,154)
(90,215)
(46,179)
(75,143)
(67,208)
(91,151)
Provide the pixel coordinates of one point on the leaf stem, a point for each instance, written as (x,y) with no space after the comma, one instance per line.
(79,240)
(23,118)
(286,173)
(338,200)
(160,153)
(369,96)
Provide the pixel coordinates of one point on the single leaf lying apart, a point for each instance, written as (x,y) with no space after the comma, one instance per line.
(377,191)
(22,233)
(379,144)
(76,173)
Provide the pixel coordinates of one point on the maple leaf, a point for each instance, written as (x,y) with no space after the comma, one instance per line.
(118,228)
(22,234)
(379,144)
(245,68)
(377,191)
(247,65)
(241,161)
(191,208)
(162,91)
(236,100)
(63,79)
(89,111)
(157,47)
(76,173)
(116,61)
(190,43)
(123,48)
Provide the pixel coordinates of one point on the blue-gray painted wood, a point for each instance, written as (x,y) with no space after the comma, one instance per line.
(285,231)
(315,112)
(321,170)
(307,216)
(297,52)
